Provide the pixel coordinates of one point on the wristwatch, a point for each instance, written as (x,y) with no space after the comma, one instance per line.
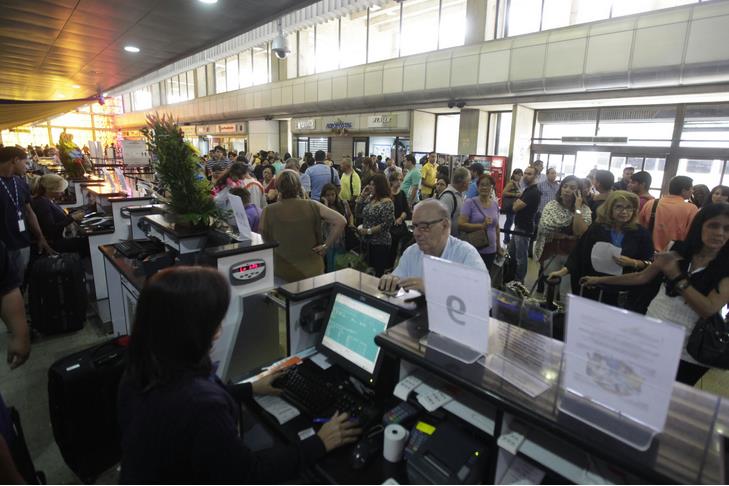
(682,285)
(578,211)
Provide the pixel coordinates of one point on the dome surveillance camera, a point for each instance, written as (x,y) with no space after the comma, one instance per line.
(280,47)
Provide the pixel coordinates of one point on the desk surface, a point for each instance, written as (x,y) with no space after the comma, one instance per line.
(130,268)
(687,451)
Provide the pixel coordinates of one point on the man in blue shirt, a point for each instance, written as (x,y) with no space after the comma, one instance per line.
(321,174)
(476,172)
(431,229)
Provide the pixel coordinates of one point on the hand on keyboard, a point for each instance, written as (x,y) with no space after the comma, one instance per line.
(266,385)
(338,431)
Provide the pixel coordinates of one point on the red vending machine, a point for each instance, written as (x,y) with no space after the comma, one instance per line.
(494,165)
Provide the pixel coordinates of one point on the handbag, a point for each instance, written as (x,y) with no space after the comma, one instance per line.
(709,342)
(479,238)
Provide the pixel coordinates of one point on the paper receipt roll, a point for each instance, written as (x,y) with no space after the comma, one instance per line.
(395,439)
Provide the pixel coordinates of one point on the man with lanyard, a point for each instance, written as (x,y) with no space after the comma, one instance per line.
(428,176)
(18,216)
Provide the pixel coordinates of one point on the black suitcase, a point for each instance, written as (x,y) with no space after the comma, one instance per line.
(57,294)
(82,394)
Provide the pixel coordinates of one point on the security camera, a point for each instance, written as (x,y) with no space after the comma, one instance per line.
(461,104)
(451,104)
(280,47)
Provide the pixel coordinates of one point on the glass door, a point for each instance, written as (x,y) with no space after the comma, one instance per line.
(360,145)
(655,166)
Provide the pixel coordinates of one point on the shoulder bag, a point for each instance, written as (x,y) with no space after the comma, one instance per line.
(709,342)
(507,202)
(479,238)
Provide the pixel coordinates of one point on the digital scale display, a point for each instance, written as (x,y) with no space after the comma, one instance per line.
(247,271)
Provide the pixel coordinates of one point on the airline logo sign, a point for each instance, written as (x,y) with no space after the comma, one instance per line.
(227,128)
(309,124)
(381,121)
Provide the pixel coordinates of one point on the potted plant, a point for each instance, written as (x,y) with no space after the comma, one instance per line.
(176,165)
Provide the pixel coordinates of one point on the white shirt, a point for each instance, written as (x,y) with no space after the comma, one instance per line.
(458,251)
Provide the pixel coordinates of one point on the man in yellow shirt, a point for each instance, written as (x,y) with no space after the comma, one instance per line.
(351,185)
(428,176)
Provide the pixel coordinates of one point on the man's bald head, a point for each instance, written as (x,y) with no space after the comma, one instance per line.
(430,209)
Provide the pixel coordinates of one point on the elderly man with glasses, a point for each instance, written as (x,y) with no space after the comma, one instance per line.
(432,232)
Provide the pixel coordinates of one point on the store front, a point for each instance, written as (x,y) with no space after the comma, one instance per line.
(385,134)
(232,136)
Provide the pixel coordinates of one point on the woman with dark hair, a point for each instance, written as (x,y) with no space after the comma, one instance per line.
(700,195)
(295,223)
(694,279)
(510,194)
(563,221)
(330,198)
(399,230)
(232,177)
(481,213)
(378,216)
(179,422)
(617,223)
(720,194)
(440,185)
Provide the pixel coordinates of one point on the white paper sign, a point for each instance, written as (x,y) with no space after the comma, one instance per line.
(403,389)
(623,361)
(433,399)
(603,258)
(276,406)
(459,300)
(241,218)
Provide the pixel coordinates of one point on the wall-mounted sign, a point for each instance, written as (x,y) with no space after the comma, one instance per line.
(188,130)
(227,128)
(309,124)
(205,129)
(381,121)
(339,125)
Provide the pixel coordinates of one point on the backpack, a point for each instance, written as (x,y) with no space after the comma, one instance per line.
(455,201)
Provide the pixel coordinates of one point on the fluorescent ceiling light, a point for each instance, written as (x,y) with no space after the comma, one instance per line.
(131,49)
(208,1)
(76,86)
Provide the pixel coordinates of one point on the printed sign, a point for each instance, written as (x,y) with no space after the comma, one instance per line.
(227,128)
(309,124)
(381,121)
(339,125)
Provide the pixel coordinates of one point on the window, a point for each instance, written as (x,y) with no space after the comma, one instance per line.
(707,172)
(127,103)
(628,7)
(500,127)
(353,39)
(706,126)
(156,101)
(419,26)
(384,32)
(220,77)
(524,16)
(446,134)
(307,46)
(245,69)
(231,73)
(183,86)
(556,13)
(645,126)
(552,125)
(190,85)
(588,159)
(452,23)
(141,100)
(261,65)
(327,46)
(202,82)
(292,64)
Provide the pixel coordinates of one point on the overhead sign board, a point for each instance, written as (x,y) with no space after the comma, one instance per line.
(308,124)
(381,121)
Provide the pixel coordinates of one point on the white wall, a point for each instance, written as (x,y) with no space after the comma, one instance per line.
(263,135)
(521,135)
(423,131)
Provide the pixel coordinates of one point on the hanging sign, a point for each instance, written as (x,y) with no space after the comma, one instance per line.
(308,124)
(381,121)
(227,128)
(339,125)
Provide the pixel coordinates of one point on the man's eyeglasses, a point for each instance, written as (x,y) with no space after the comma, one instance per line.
(425,225)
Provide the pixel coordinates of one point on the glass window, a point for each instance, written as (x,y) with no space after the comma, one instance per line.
(589,11)
(353,39)
(384,32)
(524,16)
(552,125)
(190,85)
(645,126)
(202,82)
(327,46)
(220,76)
(419,26)
(628,7)
(231,73)
(446,134)
(706,126)
(175,89)
(260,65)
(292,63)
(452,23)
(504,133)
(127,102)
(588,160)
(155,95)
(183,86)
(245,69)
(556,14)
(307,46)
(701,171)
(141,100)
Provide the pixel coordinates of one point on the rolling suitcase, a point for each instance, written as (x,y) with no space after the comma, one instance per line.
(82,395)
(57,294)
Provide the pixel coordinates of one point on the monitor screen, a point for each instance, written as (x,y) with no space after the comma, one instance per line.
(351,331)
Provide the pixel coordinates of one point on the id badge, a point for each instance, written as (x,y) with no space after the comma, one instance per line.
(21,225)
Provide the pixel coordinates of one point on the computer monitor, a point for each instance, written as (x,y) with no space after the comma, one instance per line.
(349,337)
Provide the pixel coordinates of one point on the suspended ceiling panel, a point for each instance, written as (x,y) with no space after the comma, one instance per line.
(63,49)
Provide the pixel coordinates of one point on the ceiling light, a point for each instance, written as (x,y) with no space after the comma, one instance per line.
(131,48)
(375,8)
(76,86)
(208,1)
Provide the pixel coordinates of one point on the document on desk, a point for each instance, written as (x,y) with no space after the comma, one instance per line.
(276,406)
(522,471)
(603,258)
(622,361)
(403,389)
(321,361)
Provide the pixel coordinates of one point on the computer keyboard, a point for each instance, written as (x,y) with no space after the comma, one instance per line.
(320,399)
(133,249)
